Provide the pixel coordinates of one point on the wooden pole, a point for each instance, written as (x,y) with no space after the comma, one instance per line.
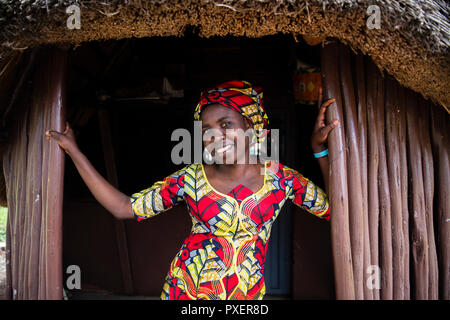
(428,187)
(419,238)
(401,102)
(55,80)
(362,127)
(353,165)
(384,198)
(441,150)
(340,232)
(394,179)
(372,171)
(429,193)
(428,182)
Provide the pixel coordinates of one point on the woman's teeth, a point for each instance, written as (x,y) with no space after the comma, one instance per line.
(224,149)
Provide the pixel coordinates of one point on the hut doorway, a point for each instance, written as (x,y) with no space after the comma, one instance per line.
(124,100)
(121,122)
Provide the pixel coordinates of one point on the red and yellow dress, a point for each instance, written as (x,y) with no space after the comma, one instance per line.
(223,257)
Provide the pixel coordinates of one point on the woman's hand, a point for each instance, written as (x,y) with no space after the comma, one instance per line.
(66,139)
(321,129)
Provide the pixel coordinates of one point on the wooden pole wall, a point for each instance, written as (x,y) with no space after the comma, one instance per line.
(340,229)
(354,172)
(428,180)
(34,172)
(419,238)
(360,83)
(392,203)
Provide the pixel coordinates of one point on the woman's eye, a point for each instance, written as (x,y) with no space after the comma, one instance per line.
(225,124)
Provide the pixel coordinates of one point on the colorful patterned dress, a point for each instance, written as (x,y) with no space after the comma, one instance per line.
(223,257)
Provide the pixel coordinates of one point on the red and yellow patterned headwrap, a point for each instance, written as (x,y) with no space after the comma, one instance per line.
(241,97)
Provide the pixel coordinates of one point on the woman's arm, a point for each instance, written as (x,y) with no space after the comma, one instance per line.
(320,135)
(108,196)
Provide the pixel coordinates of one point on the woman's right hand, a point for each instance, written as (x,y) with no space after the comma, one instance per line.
(106,194)
(66,139)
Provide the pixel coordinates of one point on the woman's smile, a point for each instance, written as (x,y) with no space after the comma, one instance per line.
(225,149)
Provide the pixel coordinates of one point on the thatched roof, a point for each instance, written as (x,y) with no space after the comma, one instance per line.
(412,43)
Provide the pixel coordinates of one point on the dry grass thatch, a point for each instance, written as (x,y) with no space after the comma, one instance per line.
(412,43)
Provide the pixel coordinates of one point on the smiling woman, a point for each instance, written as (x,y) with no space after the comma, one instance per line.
(232,206)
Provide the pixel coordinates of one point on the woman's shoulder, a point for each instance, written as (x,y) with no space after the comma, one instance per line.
(282,171)
(279,168)
(192,170)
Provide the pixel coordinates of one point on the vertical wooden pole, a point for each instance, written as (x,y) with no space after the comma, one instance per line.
(419,238)
(55,81)
(340,232)
(441,149)
(111,172)
(401,102)
(384,198)
(355,205)
(372,171)
(362,127)
(428,181)
(393,168)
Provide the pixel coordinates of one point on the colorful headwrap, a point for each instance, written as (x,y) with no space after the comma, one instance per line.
(241,97)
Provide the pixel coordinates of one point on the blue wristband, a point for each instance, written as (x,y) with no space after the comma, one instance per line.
(321,154)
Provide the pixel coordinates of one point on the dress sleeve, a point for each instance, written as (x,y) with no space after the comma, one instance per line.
(161,196)
(306,194)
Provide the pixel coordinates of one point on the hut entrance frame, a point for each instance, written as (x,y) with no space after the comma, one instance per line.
(388,180)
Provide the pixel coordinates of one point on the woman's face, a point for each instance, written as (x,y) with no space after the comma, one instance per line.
(223,134)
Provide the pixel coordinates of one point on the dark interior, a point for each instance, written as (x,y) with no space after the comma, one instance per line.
(299,261)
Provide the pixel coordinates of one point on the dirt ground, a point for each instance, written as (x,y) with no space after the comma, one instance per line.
(2,271)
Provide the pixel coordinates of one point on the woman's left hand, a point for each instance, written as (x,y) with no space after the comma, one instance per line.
(321,129)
